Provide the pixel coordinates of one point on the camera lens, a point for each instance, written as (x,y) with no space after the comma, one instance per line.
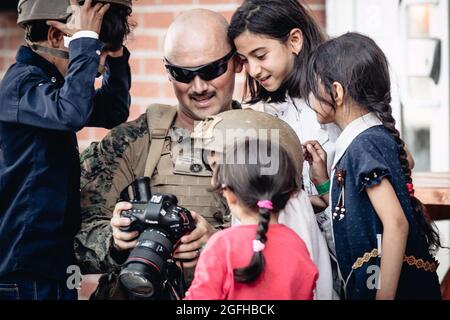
(137,283)
(142,271)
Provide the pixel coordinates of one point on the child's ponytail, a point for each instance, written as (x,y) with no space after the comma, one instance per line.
(252,271)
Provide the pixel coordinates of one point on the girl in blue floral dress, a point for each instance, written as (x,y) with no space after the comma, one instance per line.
(384,242)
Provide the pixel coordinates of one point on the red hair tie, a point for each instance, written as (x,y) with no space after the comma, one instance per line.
(410,187)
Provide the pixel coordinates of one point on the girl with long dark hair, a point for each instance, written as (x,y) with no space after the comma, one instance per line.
(384,241)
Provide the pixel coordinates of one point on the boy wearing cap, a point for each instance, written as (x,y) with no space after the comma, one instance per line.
(45,98)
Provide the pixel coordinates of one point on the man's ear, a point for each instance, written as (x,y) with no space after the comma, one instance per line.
(337,90)
(55,37)
(295,40)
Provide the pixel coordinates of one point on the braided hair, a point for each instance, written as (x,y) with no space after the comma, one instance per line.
(360,66)
(252,187)
(251,272)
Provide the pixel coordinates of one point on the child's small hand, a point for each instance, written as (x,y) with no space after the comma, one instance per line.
(85,17)
(317,159)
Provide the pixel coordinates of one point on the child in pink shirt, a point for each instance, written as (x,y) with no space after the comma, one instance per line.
(259,259)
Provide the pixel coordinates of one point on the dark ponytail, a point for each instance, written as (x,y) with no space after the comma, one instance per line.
(266,194)
(384,112)
(360,66)
(252,271)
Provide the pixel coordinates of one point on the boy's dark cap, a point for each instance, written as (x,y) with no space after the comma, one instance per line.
(34,10)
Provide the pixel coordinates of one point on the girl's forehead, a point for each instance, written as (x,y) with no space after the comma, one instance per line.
(248,42)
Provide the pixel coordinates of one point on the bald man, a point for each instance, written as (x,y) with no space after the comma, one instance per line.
(201,64)
(197,38)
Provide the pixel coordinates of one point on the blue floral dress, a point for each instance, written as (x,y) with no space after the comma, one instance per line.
(367,153)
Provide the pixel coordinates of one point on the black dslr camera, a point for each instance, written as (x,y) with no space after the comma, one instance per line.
(149,273)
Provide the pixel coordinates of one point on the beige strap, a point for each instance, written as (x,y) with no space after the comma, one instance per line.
(159,120)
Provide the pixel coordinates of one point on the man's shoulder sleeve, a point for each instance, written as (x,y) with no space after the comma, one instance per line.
(103,163)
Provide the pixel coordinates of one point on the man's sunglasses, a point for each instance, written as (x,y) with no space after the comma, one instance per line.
(207,72)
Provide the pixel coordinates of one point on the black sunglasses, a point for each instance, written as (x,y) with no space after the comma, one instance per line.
(207,72)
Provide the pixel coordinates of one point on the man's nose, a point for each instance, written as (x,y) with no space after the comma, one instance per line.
(199,85)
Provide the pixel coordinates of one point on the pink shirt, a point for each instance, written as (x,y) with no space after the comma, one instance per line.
(289,273)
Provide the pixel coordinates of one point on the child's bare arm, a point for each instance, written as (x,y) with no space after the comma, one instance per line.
(395,233)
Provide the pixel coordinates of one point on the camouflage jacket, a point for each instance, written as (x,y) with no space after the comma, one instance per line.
(107,167)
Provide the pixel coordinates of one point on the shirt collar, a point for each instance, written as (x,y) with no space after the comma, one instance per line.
(350,132)
(27,56)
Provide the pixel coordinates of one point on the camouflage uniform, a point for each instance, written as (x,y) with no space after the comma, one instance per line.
(109,166)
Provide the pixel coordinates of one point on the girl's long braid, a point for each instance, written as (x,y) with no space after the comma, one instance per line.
(263,225)
(251,272)
(384,111)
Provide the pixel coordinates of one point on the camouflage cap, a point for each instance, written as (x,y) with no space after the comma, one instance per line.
(216,132)
(31,10)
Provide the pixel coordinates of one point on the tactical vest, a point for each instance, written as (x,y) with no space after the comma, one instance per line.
(191,186)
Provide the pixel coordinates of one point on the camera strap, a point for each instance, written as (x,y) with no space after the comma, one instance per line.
(159,120)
